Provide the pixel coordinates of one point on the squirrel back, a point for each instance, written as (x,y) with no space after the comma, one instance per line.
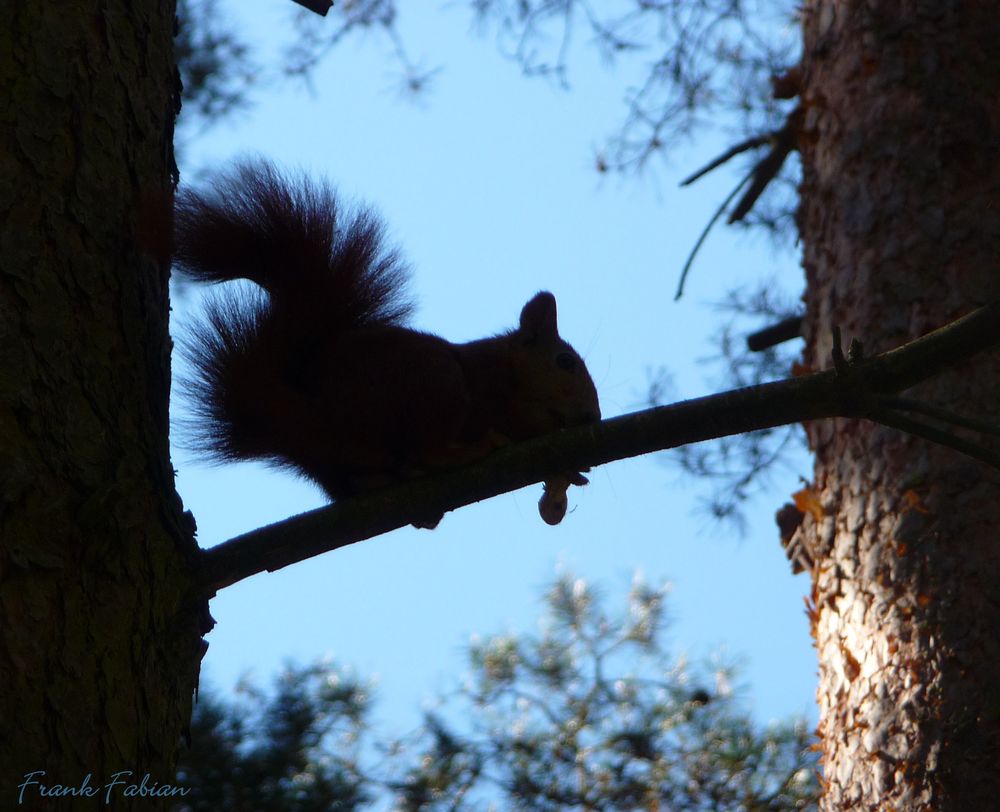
(312,367)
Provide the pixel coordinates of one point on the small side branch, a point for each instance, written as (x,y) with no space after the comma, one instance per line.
(897,412)
(919,428)
(782,143)
(771,336)
(704,234)
(901,404)
(837,353)
(732,152)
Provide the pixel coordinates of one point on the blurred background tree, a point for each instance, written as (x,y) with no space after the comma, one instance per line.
(591,713)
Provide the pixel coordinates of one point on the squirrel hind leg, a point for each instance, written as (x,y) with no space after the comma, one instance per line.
(428,521)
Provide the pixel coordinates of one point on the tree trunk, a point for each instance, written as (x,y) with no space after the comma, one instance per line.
(99,642)
(900,223)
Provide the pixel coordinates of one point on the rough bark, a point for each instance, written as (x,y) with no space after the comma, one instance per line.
(99,643)
(900,223)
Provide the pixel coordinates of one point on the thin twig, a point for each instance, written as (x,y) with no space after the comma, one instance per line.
(732,152)
(715,217)
(894,419)
(942,414)
(837,352)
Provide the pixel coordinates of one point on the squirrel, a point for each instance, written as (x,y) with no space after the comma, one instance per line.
(313,369)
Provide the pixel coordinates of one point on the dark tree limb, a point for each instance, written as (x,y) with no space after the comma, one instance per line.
(858,391)
(774,334)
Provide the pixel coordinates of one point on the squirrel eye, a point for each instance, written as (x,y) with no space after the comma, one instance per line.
(566,361)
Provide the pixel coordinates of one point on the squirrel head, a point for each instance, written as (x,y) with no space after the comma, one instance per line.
(554,388)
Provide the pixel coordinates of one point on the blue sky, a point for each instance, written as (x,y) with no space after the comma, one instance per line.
(487,183)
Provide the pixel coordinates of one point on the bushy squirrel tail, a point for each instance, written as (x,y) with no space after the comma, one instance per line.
(291,236)
(321,271)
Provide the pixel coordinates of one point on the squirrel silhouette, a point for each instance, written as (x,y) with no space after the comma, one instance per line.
(312,367)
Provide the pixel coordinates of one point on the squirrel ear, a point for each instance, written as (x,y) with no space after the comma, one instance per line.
(538,318)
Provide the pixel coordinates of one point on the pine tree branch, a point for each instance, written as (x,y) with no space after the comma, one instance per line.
(858,392)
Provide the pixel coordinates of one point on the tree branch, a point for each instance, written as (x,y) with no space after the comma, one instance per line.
(858,393)
(774,334)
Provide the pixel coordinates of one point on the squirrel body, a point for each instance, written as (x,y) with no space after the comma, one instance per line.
(313,367)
